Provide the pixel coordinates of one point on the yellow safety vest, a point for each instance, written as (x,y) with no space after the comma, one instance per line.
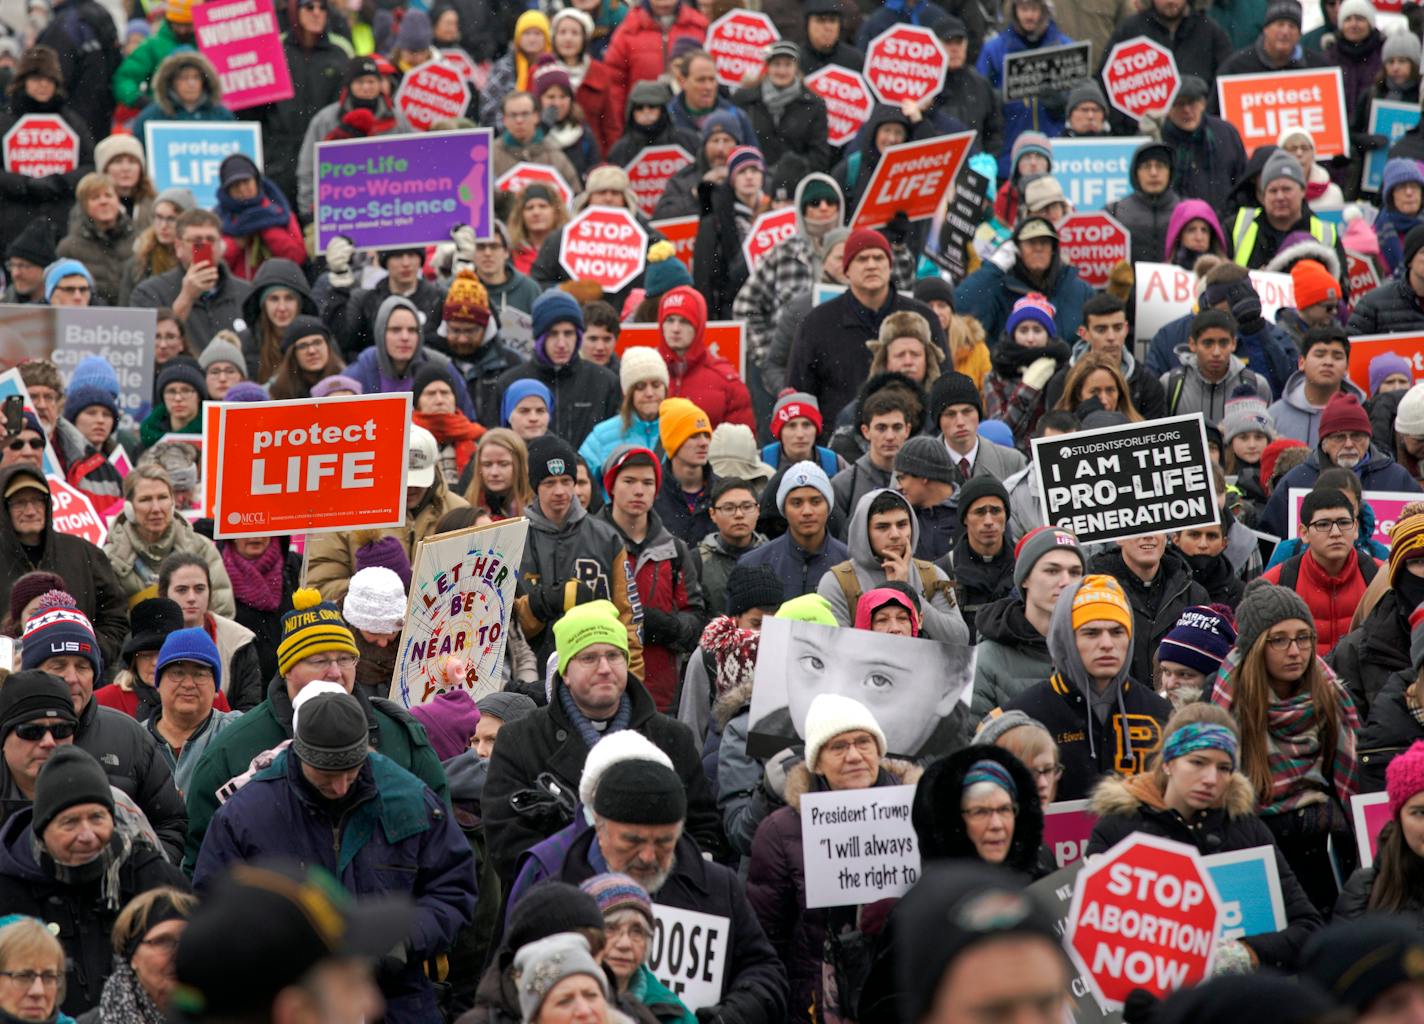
(1247,228)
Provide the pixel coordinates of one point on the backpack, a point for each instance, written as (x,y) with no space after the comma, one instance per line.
(930,584)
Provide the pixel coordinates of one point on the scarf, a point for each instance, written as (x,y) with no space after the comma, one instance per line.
(1011,359)
(124,1000)
(511,143)
(585,728)
(104,868)
(452,428)
(242,218)
(256,582)
(1316,189)
(576,71)
(363,118)
(157,423)
(777,99)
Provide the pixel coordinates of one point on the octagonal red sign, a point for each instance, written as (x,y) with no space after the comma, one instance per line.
(1094,243)
(905,62)
(433,92)
(39,145)
(1140,75)
(738,42)
(522,175)
(604,244)
(650,172)
(848,101)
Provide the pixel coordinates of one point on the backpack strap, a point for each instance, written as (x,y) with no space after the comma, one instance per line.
(1176,380)
(850,586)
(931,584)
(1290,572)
(1369,568)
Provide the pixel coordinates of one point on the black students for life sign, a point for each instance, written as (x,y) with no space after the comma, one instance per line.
(1127,481)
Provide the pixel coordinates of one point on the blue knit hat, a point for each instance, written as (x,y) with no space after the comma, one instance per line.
(723,120)
(64,268)
(1036,307)
(248,391)
(191,644)
(1400,171)
(520,390)
(80,398)
(59,631)
(1200,640)
(95,371)
(555,306)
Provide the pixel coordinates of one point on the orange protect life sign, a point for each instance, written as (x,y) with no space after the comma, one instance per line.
(311,465)
(912,178)
(1364,347)
(1263,105)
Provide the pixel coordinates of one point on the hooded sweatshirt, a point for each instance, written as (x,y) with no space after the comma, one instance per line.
(1188,391)
(377,374)
(940,611)
(1295,417)
(1187,211)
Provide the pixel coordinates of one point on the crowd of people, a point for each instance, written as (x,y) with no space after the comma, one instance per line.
(214,809)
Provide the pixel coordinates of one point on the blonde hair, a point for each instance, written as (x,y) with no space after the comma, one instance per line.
(1028,742)
(1085,368)
(28,937)
(965,333)
(132,922)
(1197,713)
(146,471)
(93,184)
(521,495)
(517,235)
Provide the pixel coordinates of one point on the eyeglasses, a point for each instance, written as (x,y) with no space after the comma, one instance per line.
(631,930)
(180,391)
(25,979)
(73,289)
(33,732)
(981,815)
(311,345)
(21,443)
(164,218)
(1051,772)
(224,370)
(189,673)
(1303,641)
(590,659)
(862,744)
(745,508)
(318,663)
(1341,525)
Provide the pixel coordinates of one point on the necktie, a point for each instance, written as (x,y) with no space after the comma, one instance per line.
(964,468)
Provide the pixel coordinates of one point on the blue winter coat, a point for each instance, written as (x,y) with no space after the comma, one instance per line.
(1379,472)
(1019,116)
(799,569)
(609,434)
(397,836)
(825,458)
(989,295)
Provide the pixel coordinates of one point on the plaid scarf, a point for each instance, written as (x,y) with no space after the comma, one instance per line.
(1413,705)
(1294,750)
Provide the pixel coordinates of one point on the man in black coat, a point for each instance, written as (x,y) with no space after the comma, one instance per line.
(825,42)
(1398,304)
(1210,158)
(1199,44)
(82,32)
(967,95)
(1277,48)
(787,116)
(1104,332)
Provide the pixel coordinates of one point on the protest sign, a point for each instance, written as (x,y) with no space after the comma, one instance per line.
(1094,243)
(604,244)
(459,58)
(1146,914)
(1048,69)
(522,175)
(461,603)
(1067,825)
(767,231)
(650,172)
(1371,813)
(688,954)
(1250,888)
(400,191)
(1275,290)
(212,413)
(311,465)
(432,92)
(1264,104)
(912,178)
(1390,119)
(73,513)
(1094,172)
(243,43)
(737,42)
(682,233)
(858,845)
(724,338)
(847,98)
(1164,293)
(1386,506)
(39,145)
(968,203)
(1111,483)
(1408,345)
(1362,274)
(910,684)
(1055,894)
(1140,76)
(905,62)
(12,384)
(184,154)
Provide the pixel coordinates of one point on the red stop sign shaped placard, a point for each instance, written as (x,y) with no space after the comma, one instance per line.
(848,101)
(1140,75)
(604,244)
(738,42)
(1145,915)
(73,513)
(39,145)
(650,172)
(522,175)
(1094,243)
(905,62)
(767,232)
(433,92)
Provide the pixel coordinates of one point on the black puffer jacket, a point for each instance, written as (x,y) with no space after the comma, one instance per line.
(24,200)
(719,267)
(939,825)
(968,97)
(801,128)
(1354,899)
(1155,608)
(1209,162)
(1145,216)
(585,394)
(1390,730)
(1369,656)
(1125,806)
(1389,309)
(979,581)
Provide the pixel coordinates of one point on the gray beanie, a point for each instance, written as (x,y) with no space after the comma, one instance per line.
(994,727)
(220,350)
(1086,91)
(1402,44)
(1279,165)
(507,707)
(541,965)
(1037,543)
(1262,606)
(181,198)
(929,458)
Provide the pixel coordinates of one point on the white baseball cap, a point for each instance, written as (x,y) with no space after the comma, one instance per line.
(421,458)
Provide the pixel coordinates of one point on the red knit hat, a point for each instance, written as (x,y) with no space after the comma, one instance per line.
(1404,777)
(861,239)
(792,404)
(1313,283)
(626,455)
(687,303)
(1272,452)
(1344,413)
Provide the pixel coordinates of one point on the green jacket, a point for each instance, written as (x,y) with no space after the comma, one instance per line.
(394,732)
(133,76)
(657,997)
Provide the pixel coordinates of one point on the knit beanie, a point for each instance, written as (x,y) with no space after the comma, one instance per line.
(518,391)
(829,716)
(1406,541)
(1358,9)
(547,74)
(511,707)
(808,608)
(375,600)
(861,239)
(329,730)
(1413,242)
(744,156)
(816,190)
(430,373)
(33,694)
(688,303)
(1246,411)
(303,325)
(1281,165)
(58,631)
(1313,283)
(382,550)
(791,405)
(30,586)
(1030,142)
(415,34)
(220,350)
(449,718)
(614,892)
(679,419)
(733,651)
(249,391)
(63,268)
(549,908)
(181,199)
(596,622)
(550,455)
(956,389)
(664,271)
(1101,598)
(1404,45)
(626,455)
(641,793)
(640,363)
(76,400)
(192,644)
(1409,416)
(615,748)
(312,627)
(994,726)
(1086,91)
(539,966)
(94,371)
(70,777)
(466,300)
(325,386)
(35,244)
(1201,638)
(1033,306)
(1037,543)
(926,457)
(803,474)
(116,145)
(184,372)
(977,489)
(1404,777)
(554,307)
(1263,605)
(1344,413)
(1283,10)
(752,586)
(1386,365)
(934,289)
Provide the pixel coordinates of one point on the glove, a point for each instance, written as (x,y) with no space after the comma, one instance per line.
(548,601)
(897,232)
(392,965)
(1247,311)
(1036,374)
(660,627)
(360,120)
(710,1015)
(1005,256)
(338,262)
(778,766)
(464,238)
(1234,957)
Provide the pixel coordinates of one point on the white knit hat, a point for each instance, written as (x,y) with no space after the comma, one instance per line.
(1359,8)
(830,715)
(624,745)
(376,601)
(1409,417)
(640,363)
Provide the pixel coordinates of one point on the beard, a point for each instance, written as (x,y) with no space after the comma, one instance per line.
(655,880)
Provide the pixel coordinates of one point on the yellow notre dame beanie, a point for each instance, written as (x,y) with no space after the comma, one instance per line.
(1101,597)
(311,627)
(594,623)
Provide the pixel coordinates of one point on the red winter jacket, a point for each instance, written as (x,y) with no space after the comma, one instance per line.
(709,381)
(639,49)
(244,255)
(595,99)
(1332,599)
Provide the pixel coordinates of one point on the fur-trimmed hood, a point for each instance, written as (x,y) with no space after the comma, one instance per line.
(800,781)
(731,704)
(1118,796)
(1311,250)
(168,70)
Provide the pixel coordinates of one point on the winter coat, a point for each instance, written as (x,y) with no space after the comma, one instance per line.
(194,747)
(24,200)
(1146,217)
(246,253)
(1392,308)
(1187,391)
(210,313)
(266,626)
(391,731)
(136,560)
(686,513)
(940,825)
(800,570)
(717,561)
(609,434)
(594,97)
(87,468)
(1209,162)
(855,482)
(1360,64)
(1199,45)
(1378,472)
(989,294)
(77,912)
(719,267)
(242,678)
(640,47)
(317,78)
(708,380)
(1019,116)
(103,252)
(801,128)
(1145,389)
(1251,60)
(351,314)
(376,374)
(1125,806)
(274,273)
(1391,729)
(394,835)
(968,97)
(980,581)
(83,34)
(1011,399)
(1010,657)
(548,741)
(1332,599)
(1295,417)
(133,75)
(584,394)
(480,375)
(1354,898)
(940,617)
(635,138)
(776,885)
(539,150)
(163,105)
(333,122)
(1155,607)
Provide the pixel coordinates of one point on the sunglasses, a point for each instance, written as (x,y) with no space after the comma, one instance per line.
(33,732)
(21,443)
(822,202)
